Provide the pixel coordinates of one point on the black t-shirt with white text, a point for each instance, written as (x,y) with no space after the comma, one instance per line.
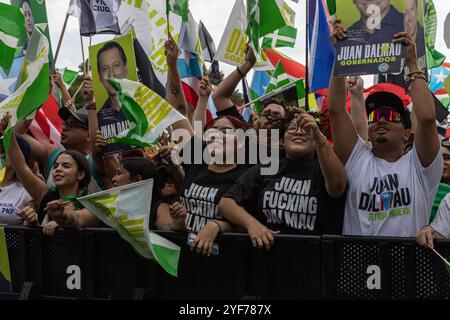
(294,200)
(202,190)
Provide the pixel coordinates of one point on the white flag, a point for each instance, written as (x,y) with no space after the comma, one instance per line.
(232,45)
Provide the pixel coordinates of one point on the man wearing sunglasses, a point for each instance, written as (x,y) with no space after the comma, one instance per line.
(390,193)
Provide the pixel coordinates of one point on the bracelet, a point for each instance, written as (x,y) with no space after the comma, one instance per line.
(218,225)
(91,106)
(240,72)
(414,77)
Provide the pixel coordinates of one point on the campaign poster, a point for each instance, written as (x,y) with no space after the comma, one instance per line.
(34,11)
(114,58)
(368,48)
(414,24)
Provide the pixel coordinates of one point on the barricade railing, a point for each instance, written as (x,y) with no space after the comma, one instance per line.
(98,264)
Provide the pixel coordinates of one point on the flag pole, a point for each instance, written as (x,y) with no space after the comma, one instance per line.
(76,92)
(82,54)
(440,256)
(59,44)
(307,56)
(167,14)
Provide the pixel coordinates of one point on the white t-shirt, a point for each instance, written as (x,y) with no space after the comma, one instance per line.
(389,198)
(13,198)
(441,222)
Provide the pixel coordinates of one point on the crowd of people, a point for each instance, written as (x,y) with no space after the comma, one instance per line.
(338,173)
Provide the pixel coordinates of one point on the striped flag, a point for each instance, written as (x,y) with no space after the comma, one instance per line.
(47,125)
(34,90)
(321,47)
(5,272)
(148,113)
(12,26)
(279,79)
(434,57)
(127,210)
(283,37)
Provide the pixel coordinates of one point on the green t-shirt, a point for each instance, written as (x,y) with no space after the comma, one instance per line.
(440,194)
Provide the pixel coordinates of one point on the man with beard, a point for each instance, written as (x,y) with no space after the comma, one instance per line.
(390,193)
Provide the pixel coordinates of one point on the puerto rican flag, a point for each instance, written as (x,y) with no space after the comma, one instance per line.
(47,125)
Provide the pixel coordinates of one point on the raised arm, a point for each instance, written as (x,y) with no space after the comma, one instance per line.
(332,169)
(200,109)
(358,109)
(342,128)
(222,95)
(34,186)
(426,136)
(174,92)
(40,150)
(65,96)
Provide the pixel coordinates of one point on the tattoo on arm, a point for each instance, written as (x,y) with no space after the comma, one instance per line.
(175,89)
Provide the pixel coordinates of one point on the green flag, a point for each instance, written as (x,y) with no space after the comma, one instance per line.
(147,112)
(434,57)
(179,7)
(12,26)
(34,89)
(257,106)
(264,17)
(68,76)
(331,5)
(279,79)
(127,210)
(283,37)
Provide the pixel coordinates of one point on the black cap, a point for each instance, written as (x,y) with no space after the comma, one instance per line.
(81,114)
(388,99)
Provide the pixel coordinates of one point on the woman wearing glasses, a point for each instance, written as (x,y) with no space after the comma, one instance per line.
(207,180)
(305,196)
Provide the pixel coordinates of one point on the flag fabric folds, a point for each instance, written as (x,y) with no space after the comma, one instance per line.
(96,17)
(232,44)
(283,37)
(127,210)
(292,67)
(12,26)
(264,17)
(438,76)
(434,58)
(148,113)
(34,89)
(9,80)
(321,48)
(179,7)
(279,79)
(47,125)
(189,65)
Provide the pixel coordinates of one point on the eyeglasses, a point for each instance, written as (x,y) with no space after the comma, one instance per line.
(294,127)
(269,115)
(384,112)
